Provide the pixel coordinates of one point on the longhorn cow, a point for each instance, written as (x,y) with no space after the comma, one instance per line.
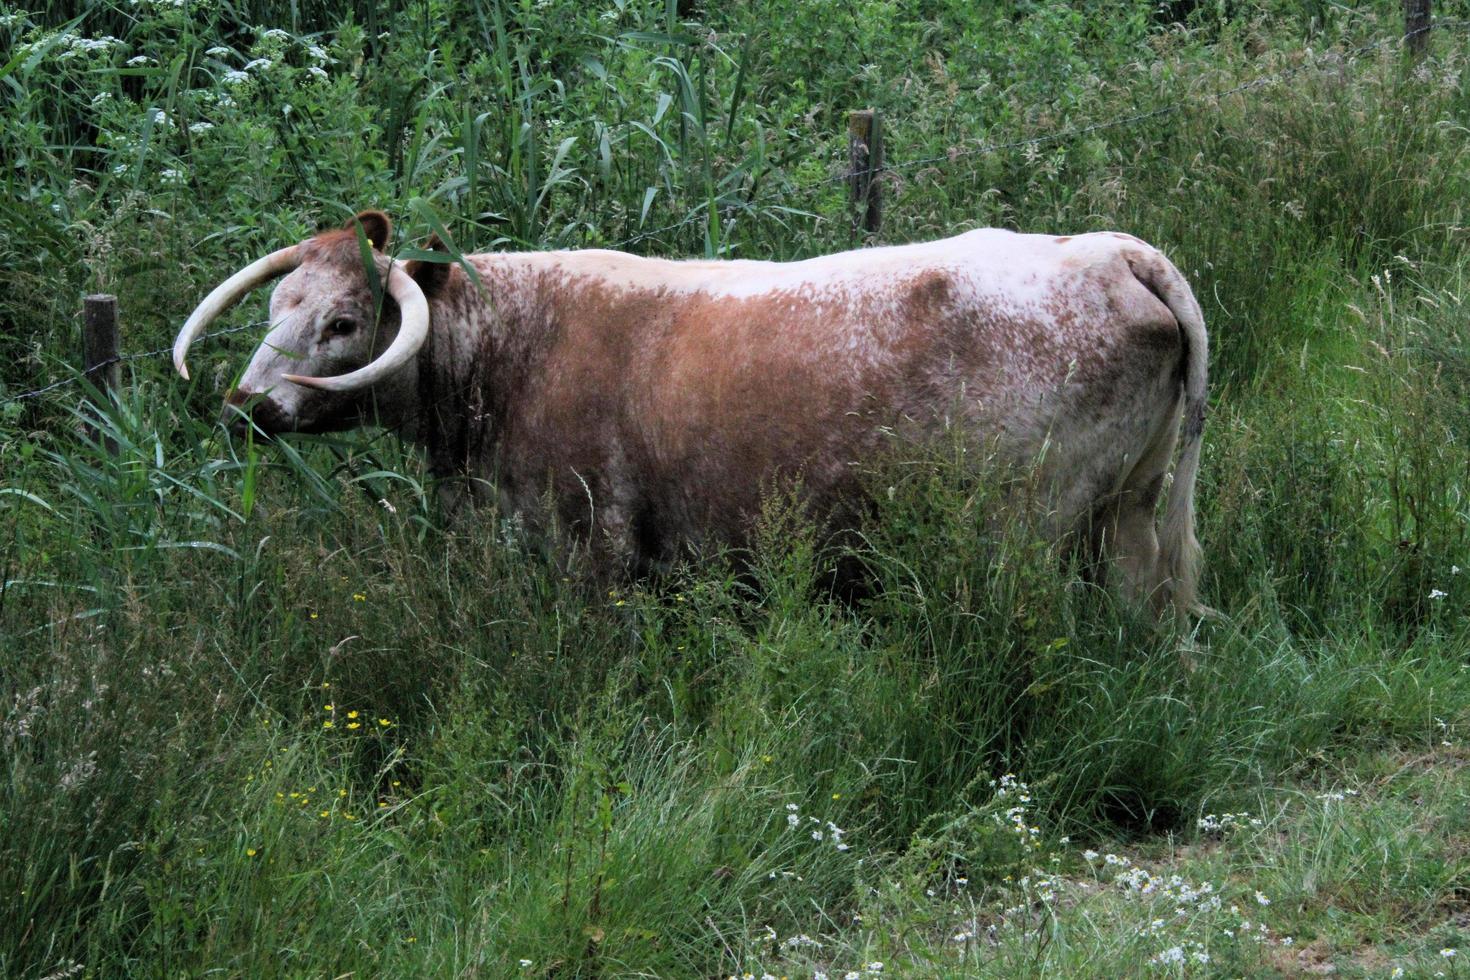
(657,399)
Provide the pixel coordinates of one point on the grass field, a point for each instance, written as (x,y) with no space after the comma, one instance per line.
(264,713)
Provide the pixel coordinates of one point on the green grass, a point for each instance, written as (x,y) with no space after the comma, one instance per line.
(626,778)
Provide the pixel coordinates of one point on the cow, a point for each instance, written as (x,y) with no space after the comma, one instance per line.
(656,400)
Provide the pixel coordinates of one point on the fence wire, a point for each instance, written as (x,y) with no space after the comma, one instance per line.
(1327,59)
(123,358)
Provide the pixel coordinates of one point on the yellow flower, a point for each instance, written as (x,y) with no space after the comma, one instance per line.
(313,616)
(250,852)
(326,813)
(326,684)
(352,714)
(353,724)
(381,804)
(341,792)
(329,707)
(359,597)
(327,724)
(348,816)
(384,722)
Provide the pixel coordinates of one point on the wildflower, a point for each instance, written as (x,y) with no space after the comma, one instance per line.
(1437,593)
(384,723)
(139,60)
(352,714)
(1172,955)
(324,814)
(875,967)
(1262,899)
(359,597)
(233,77)
(792,820)
(251,852)
(1448,952)
(276,34)
(260,63)
(329,724)
(313,616)
(1090,855)
(329,707)
(353,725)
(525,963)
(218,52)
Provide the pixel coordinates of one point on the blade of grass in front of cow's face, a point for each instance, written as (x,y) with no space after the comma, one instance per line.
(370,270)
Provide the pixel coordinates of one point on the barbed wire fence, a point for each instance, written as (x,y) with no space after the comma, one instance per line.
(1412,39)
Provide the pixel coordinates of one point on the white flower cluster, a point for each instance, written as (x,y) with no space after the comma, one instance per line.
(1223,823)
(1016,816)
(819,830)
(1179,955)
(72,45)
(1336,796)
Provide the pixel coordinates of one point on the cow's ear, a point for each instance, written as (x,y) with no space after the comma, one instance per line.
(431,276)
(376,225)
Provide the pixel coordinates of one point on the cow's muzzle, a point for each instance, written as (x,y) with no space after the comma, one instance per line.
(246,409)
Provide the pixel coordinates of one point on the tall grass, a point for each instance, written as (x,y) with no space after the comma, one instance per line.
(262,711)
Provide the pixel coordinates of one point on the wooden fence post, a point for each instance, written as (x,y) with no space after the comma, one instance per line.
(865,162)
(1416,27)
(100,348)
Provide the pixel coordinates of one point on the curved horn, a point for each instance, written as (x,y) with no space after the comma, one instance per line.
(413,330)
(227,294)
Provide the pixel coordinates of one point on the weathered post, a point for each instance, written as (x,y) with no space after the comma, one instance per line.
(99,348)
(865,162)
(1416,27)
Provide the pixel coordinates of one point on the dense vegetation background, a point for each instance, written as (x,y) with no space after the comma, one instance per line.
(261,713)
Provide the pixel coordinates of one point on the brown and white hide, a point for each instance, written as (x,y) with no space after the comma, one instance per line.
(657,400)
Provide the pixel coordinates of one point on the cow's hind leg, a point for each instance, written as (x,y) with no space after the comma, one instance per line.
(1130,544)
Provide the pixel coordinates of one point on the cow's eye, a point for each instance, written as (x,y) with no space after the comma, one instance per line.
(341,326)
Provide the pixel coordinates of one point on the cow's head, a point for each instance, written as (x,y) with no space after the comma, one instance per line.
(335,357)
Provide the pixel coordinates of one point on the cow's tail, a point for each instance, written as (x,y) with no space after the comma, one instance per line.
(1179,550)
